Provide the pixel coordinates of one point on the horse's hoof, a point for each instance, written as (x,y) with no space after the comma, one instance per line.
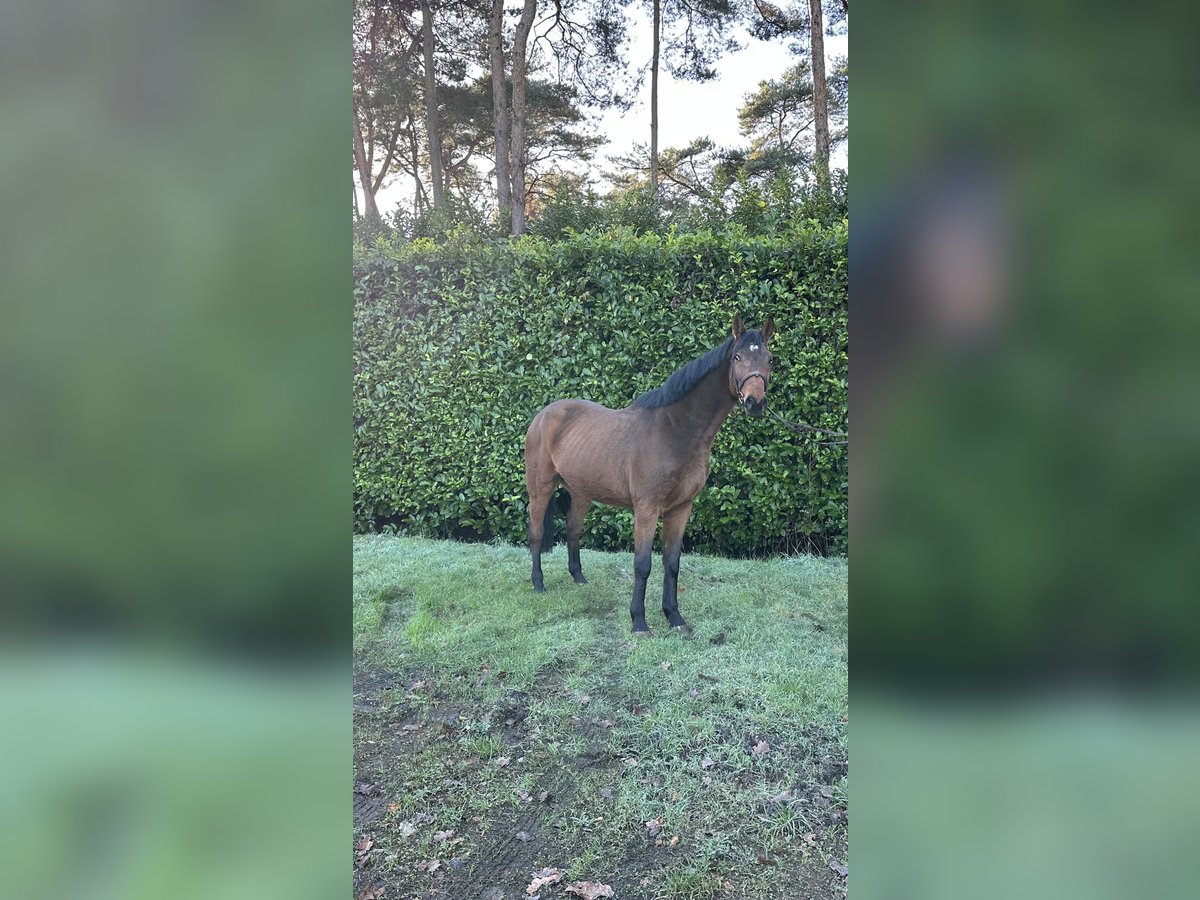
(579,579)
(539,589)
(685,630)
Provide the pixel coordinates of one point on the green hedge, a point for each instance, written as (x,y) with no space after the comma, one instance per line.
(457,347)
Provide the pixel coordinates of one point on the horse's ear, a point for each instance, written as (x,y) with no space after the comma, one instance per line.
(769,329)
(738,328)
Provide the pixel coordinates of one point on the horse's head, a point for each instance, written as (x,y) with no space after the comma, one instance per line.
(750,365)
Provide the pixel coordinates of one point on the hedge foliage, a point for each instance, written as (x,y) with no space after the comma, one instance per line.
(457,347)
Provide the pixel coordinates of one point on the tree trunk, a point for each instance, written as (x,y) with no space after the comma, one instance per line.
(419,201)
(500,112)
(816,29)
(654,100)
(431,114)
(520,64)
(371,211)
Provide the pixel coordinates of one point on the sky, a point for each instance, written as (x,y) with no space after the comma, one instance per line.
(686,110)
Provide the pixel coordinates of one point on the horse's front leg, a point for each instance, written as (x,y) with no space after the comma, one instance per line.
(644,522)
(674,523)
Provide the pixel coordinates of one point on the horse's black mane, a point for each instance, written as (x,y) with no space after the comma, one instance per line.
(683,380)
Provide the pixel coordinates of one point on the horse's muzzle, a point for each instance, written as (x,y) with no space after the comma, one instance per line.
(755,407)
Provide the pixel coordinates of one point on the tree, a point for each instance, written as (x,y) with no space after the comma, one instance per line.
(778,118)
(554,134)
(520,73)
(384,51)
(807,19)
(696,34)
(820,95)
(432,130)
(509,116)
(500,110)
(584,38)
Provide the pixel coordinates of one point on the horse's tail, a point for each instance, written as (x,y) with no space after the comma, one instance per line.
(548,519)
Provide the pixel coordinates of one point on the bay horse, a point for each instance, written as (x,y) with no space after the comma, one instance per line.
(651,457)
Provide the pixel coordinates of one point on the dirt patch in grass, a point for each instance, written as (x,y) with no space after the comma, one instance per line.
(417,744)
(497,734)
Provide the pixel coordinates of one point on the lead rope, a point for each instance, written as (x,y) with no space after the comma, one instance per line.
(799,427)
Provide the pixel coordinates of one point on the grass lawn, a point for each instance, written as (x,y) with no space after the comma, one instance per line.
(498,731)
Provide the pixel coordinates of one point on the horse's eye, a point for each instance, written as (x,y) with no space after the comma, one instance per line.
(736,358)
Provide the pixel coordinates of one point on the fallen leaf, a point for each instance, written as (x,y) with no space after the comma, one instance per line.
(584,700)
(406,829)
(707,763)
(371,893)
(543,878)
(810,838)
(675,840)
(423,818)
(525,798)
(443,836)
(456,863)
(589,890)
(503,761)
(606,793)
(654,826)
(762,748)
(429,865)
(839,868)
(524,836)
(411,727)
(666,666)
(418,686)
(362,787)
(364,845)
(693,693)
(544,797)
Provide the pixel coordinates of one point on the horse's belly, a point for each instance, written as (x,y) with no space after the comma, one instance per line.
(593,484)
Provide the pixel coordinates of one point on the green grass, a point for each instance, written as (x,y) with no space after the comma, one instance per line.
(624,731)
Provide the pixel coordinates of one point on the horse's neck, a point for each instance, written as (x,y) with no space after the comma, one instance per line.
(699,416)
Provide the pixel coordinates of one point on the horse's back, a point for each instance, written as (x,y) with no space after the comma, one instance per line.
(581,441)
(564,415)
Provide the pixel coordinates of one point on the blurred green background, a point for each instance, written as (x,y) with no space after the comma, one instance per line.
(174,450)
(1024,502)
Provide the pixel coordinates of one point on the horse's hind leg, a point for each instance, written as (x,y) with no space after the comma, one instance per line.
(579,509)
(540,482)
(674,523)
(539,504)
